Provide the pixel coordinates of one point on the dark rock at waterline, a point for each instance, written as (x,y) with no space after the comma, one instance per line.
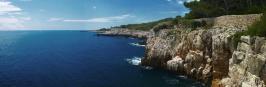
(208,54)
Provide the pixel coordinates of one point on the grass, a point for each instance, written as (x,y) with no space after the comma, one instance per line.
(256,29)
(144,26)
(163,25)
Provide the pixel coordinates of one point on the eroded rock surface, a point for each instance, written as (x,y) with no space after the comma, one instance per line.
(209,55)
(125,32)
(247,65)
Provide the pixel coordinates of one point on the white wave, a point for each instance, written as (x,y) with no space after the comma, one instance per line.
(148,68)
(134,61)
(181,76)
(137,44)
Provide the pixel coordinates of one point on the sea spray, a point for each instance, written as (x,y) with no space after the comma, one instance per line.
(134,61)
(137,44)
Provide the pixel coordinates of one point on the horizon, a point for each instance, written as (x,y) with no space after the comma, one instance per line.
(84,14)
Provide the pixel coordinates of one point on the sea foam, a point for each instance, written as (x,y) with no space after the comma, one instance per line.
(137,44)
(134,61)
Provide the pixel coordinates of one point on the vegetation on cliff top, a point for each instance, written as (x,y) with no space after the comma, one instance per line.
(208,8)
(256,29)
(144,26)
(214,8)
(168,23)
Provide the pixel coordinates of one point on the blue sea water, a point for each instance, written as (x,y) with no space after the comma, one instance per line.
(77,59)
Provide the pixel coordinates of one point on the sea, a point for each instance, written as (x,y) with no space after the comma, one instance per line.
(78,59)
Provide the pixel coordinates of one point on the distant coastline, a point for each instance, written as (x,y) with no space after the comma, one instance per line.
(202,53)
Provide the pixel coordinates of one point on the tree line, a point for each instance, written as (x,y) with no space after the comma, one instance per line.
(214,8)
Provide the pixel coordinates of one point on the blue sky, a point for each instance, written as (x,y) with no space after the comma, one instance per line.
(83,14)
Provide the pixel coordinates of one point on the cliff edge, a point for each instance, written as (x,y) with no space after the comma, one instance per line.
(124,32)
(209,55)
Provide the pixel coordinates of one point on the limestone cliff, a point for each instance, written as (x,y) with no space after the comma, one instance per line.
(247,64)
(124,32)
(208,54)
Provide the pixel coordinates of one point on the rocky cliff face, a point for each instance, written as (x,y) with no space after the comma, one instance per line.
(209,55)
(247,64)
(124,32)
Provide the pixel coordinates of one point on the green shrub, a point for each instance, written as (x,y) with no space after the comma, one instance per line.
(236,38)
(145,26)
(196,24)
(103,29)
(256,29)
(214,8)
(163,25)
(189,23)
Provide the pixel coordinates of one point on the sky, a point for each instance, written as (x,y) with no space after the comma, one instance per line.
(83,14)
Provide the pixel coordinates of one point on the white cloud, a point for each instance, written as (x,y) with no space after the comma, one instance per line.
(11,23)
(55,19)
(102,20)
(11,16)
(25,18)
(181,2)
(9,20)
(7,7)
(25,0)
(188,0)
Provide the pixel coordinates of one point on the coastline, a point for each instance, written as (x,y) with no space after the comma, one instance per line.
(207,55)
(124,32)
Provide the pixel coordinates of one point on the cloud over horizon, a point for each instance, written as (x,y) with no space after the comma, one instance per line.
(95,20)
(7,7)
(181,2)
(8,16)
(82,14)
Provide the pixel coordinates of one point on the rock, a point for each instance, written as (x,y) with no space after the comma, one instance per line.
(263,48)
(258,43)
(246,39)
(246,71)
(175,64)
(243,47)
(263,73)
(207,72)
(208,55)
(253,81)
(237,21)
(237,57)
(124,32)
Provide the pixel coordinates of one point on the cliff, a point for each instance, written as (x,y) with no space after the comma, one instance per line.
(247,64)
(124,32)
(209,55)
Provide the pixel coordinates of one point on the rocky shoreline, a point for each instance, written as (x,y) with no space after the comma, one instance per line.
(124,32)
(207,55)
